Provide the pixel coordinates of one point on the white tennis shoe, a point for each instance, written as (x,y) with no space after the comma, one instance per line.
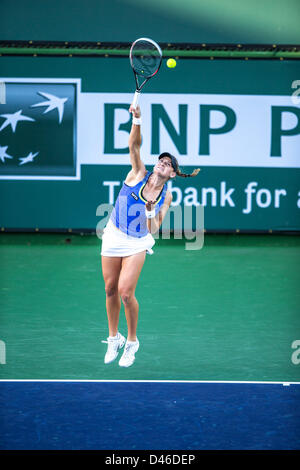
(128,356)
(114,344)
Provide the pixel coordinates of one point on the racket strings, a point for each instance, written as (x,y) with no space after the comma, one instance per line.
(145,58)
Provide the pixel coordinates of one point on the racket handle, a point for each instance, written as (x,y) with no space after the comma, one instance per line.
(136,99)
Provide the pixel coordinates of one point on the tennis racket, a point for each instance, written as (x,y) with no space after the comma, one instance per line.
(145,59)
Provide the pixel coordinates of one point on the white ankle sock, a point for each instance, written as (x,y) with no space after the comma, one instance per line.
(131,342)
(114,337)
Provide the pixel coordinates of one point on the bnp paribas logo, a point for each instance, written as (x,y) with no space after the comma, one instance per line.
(38,125)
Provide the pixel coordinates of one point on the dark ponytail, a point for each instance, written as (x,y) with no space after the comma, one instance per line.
(185,175)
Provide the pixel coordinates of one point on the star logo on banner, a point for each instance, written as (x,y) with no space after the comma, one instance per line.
(30,157)
(3,153)
(13,119)
(53,103)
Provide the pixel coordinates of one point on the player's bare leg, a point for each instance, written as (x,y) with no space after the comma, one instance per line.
(130,271)
(111,267)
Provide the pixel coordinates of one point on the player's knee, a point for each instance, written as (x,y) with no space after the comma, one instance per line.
(126,294)
(111,289)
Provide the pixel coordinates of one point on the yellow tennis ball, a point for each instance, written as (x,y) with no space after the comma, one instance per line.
(171,63)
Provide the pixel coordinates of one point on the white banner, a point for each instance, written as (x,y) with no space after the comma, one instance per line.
(199,129)
(239,130)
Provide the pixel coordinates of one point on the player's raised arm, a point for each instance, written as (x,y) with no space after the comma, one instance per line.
(135,141)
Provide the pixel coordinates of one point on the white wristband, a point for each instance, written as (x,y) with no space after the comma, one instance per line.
(150,214)
(136,121)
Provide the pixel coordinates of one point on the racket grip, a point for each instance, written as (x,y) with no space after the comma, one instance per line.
(136,99)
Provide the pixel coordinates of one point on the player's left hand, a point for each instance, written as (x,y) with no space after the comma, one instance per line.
(149,205)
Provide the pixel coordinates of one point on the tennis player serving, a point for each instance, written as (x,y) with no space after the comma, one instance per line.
(141,206)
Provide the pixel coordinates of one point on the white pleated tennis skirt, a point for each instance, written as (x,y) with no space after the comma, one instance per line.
(117,243)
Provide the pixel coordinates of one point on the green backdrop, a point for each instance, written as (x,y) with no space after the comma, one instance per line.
(31,204)
(195,21)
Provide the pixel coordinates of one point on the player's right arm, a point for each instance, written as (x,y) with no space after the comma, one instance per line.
(134,144)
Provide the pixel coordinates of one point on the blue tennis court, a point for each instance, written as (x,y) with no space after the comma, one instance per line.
(149,415)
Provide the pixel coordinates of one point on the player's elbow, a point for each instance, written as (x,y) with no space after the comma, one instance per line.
(133,148)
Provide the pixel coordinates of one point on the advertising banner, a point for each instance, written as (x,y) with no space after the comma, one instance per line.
(66,145)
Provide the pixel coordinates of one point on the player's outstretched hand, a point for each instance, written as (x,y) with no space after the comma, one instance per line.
(135,111)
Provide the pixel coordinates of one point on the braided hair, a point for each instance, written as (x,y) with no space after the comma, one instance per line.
(176,166)
(187,175)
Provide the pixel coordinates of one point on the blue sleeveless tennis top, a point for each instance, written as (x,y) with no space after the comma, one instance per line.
(128,213)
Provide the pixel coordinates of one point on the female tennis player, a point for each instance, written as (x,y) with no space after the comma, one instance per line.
(141,206)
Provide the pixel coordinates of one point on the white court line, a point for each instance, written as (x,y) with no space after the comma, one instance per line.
(153,381)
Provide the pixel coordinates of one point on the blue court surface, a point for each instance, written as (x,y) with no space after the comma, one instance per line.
(90,415)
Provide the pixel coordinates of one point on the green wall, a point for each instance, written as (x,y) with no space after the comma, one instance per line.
(195,21)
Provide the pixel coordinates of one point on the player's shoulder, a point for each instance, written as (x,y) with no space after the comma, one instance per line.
(135,177)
